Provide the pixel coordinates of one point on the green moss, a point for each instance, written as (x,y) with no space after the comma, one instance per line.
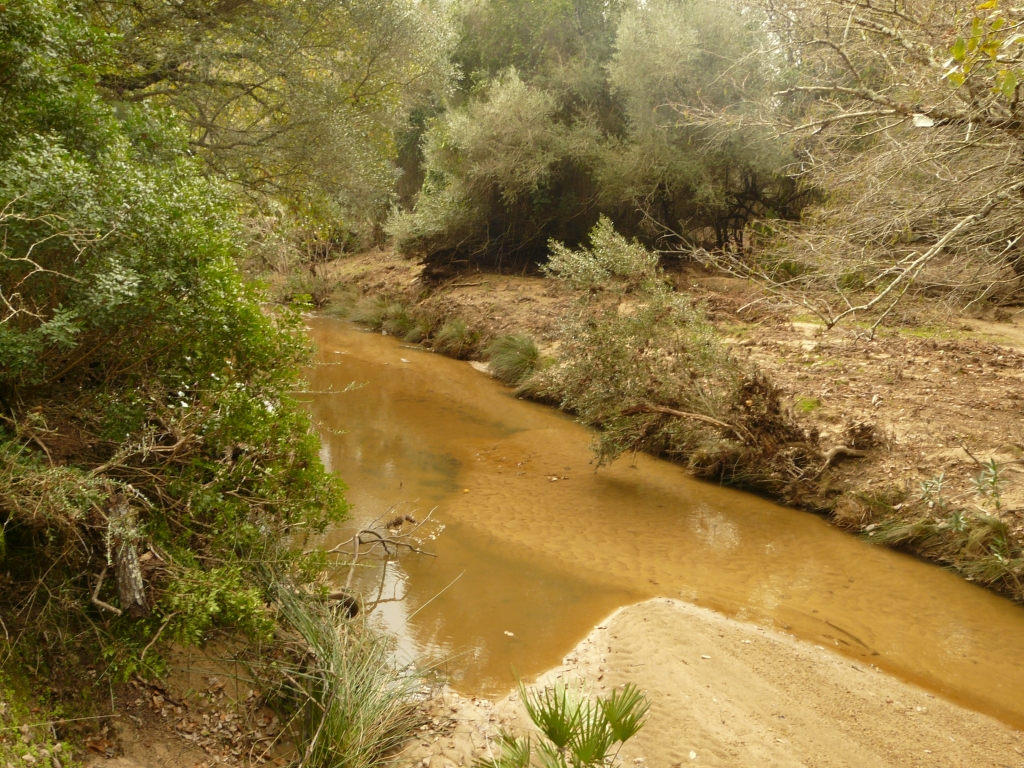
(807,404)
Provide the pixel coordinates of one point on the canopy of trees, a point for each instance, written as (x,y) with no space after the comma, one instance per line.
(570,110)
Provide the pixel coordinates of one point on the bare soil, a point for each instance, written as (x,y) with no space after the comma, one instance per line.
(725,693)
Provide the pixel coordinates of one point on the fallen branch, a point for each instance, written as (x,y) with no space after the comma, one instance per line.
(96,595)
(738,431)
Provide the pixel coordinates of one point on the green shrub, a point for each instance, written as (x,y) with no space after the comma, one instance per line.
(577,732)
(512,358)
(652,373)
(146,386)
(455,339)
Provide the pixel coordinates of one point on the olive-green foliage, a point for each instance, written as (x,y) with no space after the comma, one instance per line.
(610,258)
(138,366)
(675,62)
(570,117)
(512,358)
(642,363)
(502,154)
(656,349)
(577,732)
(455,339)
(295,100)
(305,288)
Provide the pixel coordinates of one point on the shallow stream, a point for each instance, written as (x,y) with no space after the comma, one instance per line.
(538,547)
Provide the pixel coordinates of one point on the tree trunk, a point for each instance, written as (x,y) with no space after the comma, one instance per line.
(131,590)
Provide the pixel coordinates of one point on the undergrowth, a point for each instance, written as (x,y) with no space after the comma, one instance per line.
(978,545)
(154,466)
(642,363)
(455,339)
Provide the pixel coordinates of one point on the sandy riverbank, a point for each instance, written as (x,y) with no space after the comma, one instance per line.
(727,693)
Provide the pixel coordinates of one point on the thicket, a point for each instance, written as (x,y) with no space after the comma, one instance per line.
(157,480)
(642,363)
(907,117)
(570,110)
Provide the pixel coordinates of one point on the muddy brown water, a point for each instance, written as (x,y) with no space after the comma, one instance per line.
(538,547)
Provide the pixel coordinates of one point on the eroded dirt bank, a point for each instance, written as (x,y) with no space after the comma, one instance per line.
(727,693)
(935,400)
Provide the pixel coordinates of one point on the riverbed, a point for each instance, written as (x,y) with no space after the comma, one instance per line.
(538,547)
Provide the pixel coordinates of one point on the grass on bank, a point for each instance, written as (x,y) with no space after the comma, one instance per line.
(513,358)
(455,339)
(352,705)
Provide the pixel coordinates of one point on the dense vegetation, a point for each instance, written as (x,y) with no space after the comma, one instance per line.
(157,480)
(569,110)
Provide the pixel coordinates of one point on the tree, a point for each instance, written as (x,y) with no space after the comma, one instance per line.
(676,63)
(298,100)
(144,389)
(599,120)
(908,118)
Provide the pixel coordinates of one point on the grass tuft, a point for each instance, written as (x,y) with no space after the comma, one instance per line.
(370,311)
(352,705)
(397,321)
(455,339)
(513,358)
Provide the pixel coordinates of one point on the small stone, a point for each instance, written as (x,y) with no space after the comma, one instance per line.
(28,759)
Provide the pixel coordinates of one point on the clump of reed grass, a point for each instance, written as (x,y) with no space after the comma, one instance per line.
(370,311)
(455,339)
(420,330)
(512,358)
(978,546)
(396,320)
(352,705)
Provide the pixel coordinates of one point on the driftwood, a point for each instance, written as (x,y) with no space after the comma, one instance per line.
(741,433)
(131,590)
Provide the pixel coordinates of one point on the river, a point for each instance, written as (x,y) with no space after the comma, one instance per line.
(538,547)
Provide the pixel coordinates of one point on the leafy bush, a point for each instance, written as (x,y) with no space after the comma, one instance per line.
(150,453)
(611,256)
(643,364)
(512,358)
(455,339)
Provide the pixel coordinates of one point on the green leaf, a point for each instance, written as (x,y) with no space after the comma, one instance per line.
(959,51)
(1007,81)
(625,711)
(515,753)
(553,711)
(593,738)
